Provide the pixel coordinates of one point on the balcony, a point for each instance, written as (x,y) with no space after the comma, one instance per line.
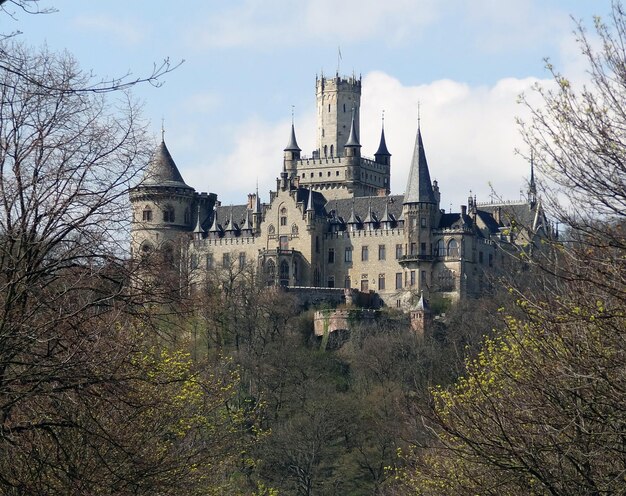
(416,257)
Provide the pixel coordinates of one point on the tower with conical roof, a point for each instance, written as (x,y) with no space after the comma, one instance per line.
(420,210)
(164,206)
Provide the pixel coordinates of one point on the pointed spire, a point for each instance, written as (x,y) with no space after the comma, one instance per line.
(231,224)
(353,220)
(257,201)
(386,219)
(532,187)
(292,146)
(198,231)
(162,171)
(353,139)
(246,224)
(382,147)
(215,227)
(370,218)
(309,203)
(422,304)
(419,188)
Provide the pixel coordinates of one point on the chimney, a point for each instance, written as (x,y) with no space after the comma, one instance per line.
(463,210)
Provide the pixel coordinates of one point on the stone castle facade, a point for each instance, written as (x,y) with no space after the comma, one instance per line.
(332,222)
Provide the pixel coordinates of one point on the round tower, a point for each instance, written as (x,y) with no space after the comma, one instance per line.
(162,206)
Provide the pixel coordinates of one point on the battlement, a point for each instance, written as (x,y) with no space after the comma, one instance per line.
(323,83)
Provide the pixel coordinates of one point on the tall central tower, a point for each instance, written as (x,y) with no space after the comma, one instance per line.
(336,99)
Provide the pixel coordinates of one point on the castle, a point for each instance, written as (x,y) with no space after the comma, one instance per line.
(332,222)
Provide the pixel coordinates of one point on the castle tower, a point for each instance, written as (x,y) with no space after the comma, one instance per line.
(291,154)
(421,317)
(420,211)
(336,99)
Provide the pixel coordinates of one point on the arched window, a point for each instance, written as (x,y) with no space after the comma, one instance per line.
(270,272)
(446,280)
(284,273)
(332,150)
(169,214)
(325,151)
(440,250)
(283,216)
(453,248)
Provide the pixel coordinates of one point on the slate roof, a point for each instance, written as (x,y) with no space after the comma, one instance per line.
(519,212)
(162,170)
(382,147)
(419,188)
(292,146)
(302,195)
(343,207)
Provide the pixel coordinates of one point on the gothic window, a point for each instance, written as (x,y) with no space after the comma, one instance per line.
(325,150)
(147,214)
(168,214)
(440,250)
(332,150)
(284,273)
(283,216)
(270,271)
(453,248)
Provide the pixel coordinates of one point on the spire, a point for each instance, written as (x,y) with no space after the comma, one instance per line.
(257,201)
(370,218)
(309,203)
(215,227)
(353,218)
(198,231)
(419,188)
(422,304)
(353,139)
(532,187)
(246,224)
(162,171)
(386,219)
(231,224)
(382,147)
(292,146)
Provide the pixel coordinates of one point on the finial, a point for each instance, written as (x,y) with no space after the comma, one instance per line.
(418,114)
(292,113)
(338,59)
(162,128)
(383,118)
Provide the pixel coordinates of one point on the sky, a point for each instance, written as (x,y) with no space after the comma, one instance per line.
(226,110)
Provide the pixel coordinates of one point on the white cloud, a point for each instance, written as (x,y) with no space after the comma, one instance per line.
(256,22)
(469,133)
(125,31)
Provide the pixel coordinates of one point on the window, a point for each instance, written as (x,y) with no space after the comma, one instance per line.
(440,249)
(347,283)
(453,248)
(413,248)
(226,260)
(329,107)
(283,216)
(423,279)
(446,280)
(336,173)
(194,261)
(364,253)
(412,278)
(331,255)
(348,254)
(284,273)
(147,215)
(365,284)
(381,282)
(270,270)
(168,214)
(398,252)
(398,280)
(316,277)
(423,221)
(242,260)
(331,282)
(209,260)
(381,252)
(480,257)
(423,248)
(344,108)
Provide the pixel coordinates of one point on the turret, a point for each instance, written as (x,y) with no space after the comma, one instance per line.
(352,146)
(291,154)
(382,155)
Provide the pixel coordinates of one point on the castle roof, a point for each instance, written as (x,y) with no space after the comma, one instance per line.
(292,146)
(362,204)
(353,138)
(382,147)
(419,188)
(162,170)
